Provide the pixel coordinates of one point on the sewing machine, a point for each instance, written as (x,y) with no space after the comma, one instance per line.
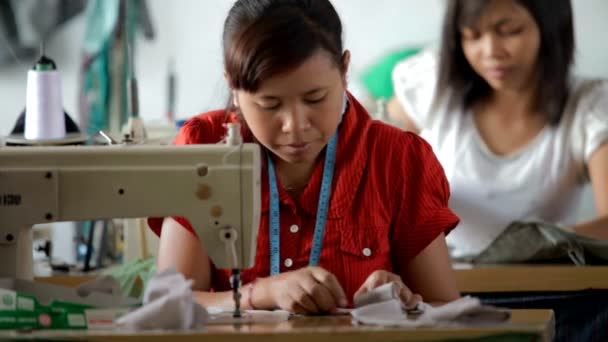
(216,187)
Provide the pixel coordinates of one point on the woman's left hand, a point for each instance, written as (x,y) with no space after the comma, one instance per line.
(381,277)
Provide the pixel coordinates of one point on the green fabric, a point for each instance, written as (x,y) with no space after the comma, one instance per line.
(102,21)
(131,23)
(377,79)
(133,276)
(101,17)
(96,84)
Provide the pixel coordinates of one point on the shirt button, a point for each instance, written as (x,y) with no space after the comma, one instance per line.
(367,252)
(294,228)
(288,262)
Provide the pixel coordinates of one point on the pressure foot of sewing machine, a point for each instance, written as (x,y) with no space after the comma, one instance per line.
(235,280)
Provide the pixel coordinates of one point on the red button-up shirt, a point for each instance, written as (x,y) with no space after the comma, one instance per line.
(389,200)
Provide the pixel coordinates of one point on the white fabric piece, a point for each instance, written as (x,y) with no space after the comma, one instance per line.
(168,304)
(382,293)
(466,310)
(101,284)
(392,312)
(543,181)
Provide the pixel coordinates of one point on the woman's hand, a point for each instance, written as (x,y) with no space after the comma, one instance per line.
(310,290)
(382,277)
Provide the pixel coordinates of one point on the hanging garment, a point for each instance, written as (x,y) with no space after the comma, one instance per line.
(110,28)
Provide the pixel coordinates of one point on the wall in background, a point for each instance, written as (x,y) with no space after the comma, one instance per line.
(189,32)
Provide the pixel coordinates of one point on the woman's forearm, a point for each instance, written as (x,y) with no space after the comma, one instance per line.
(222,300)
(596,228)
(257,295)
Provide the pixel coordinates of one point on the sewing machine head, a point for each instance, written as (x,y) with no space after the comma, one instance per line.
(216,187)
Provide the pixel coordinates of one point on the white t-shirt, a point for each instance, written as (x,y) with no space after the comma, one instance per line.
(542,181)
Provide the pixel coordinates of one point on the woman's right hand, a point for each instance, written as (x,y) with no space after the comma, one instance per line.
(310,290)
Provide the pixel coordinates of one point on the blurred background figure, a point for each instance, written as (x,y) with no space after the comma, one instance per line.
(517,134)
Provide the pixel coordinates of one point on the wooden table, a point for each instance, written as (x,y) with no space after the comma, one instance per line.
(523,278)
(65,280)
(539,323)
(485,278)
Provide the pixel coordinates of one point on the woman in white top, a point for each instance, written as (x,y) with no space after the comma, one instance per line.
(517,136)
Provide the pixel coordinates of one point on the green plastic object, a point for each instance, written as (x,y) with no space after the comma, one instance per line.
(21,311)
(133,276)
(377,78)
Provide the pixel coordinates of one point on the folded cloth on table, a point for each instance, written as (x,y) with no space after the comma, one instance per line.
(541,242)
(382,306)
(168,304)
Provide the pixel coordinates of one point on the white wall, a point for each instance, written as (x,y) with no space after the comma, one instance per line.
(189,31)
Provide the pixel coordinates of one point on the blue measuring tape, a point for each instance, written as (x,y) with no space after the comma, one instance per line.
(324,195)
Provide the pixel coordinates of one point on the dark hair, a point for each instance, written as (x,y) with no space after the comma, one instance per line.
(263,38)
(556,54)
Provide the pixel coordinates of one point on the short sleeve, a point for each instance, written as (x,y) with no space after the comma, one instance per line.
(206,128)
(595,120)
(423,211)
(156,224)
(414,81)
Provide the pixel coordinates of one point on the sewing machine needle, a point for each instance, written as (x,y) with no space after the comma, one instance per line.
(236,295)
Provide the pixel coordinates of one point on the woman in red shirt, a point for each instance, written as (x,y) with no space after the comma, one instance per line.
(348,203)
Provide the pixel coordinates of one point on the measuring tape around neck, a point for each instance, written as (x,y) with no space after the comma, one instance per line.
(324,197)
